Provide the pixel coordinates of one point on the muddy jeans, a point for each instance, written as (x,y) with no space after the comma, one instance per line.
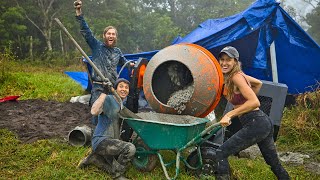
(117,154)
(257,128)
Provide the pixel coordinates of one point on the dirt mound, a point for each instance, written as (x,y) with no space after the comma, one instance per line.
(32,120)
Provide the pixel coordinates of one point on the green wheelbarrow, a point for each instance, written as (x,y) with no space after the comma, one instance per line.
(153,136)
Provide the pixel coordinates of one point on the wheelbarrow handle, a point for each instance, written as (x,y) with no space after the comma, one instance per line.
(104,79)
(199,136)
(210,128)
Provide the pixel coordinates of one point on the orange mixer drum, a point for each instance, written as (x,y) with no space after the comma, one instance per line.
(187,68)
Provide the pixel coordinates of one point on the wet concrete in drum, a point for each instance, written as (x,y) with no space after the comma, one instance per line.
(167,118)
(179,99)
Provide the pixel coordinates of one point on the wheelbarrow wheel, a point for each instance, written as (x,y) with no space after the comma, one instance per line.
(144,162)
(208,162)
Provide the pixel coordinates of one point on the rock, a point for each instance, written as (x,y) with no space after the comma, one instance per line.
(295,158)
(313,167)
(81,99)
(287,157)
(251,152)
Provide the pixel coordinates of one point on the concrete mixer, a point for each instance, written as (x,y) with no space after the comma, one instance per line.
(180,79)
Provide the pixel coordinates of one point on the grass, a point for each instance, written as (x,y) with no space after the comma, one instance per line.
(300,126)
(258,169)
(32,80)
(40,85)
(55,159)
(44,159)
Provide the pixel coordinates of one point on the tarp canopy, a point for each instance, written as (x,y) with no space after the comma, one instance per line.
(252,32)
(83,79)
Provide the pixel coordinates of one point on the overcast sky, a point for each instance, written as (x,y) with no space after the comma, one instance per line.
(300,6)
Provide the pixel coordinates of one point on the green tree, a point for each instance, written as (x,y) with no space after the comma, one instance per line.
(188,14)
(312,19)
(138,29)
(143,25)
(41,14)
(12,28)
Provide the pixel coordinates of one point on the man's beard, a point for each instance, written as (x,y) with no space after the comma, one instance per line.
(106,42)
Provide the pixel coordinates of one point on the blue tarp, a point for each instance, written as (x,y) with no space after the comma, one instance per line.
(81,78)
(252,32)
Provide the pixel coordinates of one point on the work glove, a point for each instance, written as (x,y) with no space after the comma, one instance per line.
(107,86)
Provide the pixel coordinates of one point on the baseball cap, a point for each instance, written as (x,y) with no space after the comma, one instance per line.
(119,81)
(230,51)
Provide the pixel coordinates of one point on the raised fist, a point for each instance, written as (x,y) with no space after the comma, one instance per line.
(77,4)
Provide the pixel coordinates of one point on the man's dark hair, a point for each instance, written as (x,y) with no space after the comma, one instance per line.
(119,81)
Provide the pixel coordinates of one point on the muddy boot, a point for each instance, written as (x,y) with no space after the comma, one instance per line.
(116,170)
(118,167)
(85,161)
(92,159)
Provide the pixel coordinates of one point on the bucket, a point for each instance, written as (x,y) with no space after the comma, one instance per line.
(80,136)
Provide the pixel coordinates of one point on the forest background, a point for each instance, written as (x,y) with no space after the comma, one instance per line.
(28,29)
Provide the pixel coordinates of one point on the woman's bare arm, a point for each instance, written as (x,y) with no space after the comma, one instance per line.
(256,84)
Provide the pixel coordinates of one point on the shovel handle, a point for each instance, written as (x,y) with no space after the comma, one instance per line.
(104,79)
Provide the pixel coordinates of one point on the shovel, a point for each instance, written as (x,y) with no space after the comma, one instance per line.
(124,112)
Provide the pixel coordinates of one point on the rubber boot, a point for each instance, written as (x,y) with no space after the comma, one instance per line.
(92,159)
(117,170)
(85,161)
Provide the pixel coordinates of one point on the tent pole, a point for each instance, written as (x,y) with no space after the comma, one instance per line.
(274,68)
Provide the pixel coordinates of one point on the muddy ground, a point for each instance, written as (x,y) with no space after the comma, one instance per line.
(32,120)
